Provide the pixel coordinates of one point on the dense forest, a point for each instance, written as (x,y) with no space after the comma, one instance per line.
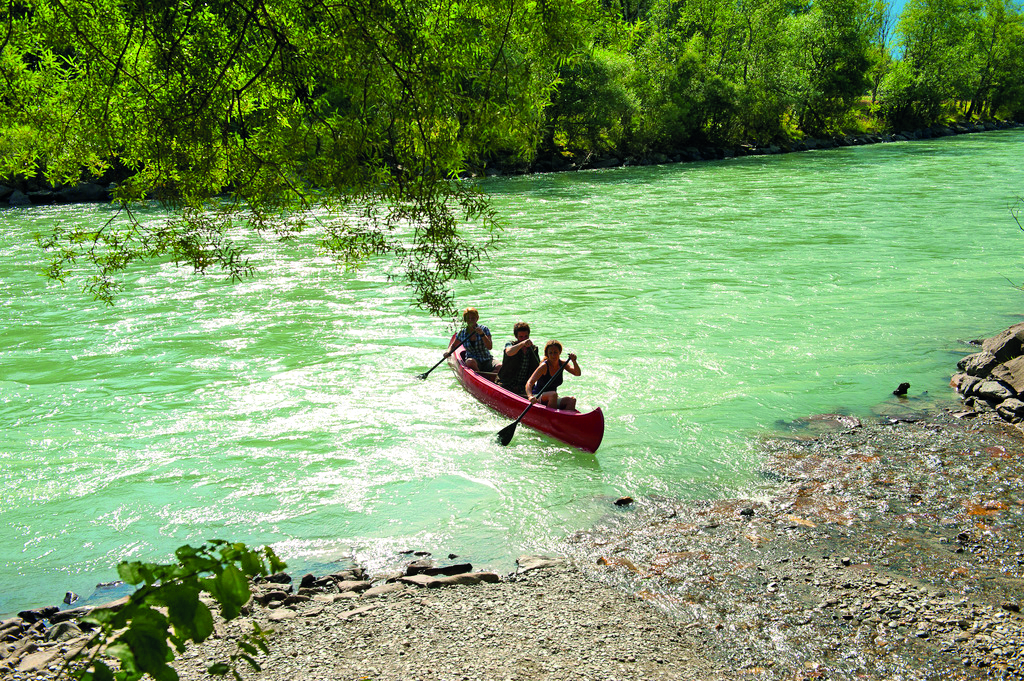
(369,108)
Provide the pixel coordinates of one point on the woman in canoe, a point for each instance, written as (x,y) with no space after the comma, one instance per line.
(546,378)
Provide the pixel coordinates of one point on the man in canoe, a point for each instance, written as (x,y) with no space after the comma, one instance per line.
(520,360)
(477,339)
(546,378)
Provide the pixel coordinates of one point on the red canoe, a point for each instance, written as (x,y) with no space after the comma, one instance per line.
(571,427)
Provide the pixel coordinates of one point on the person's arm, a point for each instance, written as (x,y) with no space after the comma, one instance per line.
(516,347)
(532,381)
(487,337)
(454,344)
(572,366)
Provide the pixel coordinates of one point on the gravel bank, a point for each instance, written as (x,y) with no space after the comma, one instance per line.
(888,550)
(546,623)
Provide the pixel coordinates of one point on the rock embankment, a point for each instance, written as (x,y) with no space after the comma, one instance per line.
(993,379)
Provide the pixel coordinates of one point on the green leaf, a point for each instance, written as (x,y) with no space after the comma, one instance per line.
(131,572)
(219,669)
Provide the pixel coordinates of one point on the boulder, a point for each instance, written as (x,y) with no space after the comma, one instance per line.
(978,364)
(33,616)
(353,574)
(1012,410)
(468,579)
(967,384)
(993,392)
(70,614)
(418,567)
(1007,345)
(279,578)
(63,631)
(268,596)
(19,198)
(383,589)
(84,192)
(1010,373)
(38,661)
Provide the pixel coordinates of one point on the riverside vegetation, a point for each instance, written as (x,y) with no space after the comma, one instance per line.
(243,114)
(890,548)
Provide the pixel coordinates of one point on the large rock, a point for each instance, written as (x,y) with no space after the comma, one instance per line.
(84,192)
(978,364)
(38,661)
(1012,410)
(1010,373)
(354,585)
(1007,345)
(19,198)
(457,569)
(993,392)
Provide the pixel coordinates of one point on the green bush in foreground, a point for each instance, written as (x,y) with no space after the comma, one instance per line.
(166,612)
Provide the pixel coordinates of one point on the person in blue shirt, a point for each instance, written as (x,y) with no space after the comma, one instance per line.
(477,339)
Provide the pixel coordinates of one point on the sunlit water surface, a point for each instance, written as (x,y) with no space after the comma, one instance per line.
(706,302)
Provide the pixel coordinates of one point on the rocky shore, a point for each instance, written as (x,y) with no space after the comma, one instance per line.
(612,159)
(994,377)
(888,548)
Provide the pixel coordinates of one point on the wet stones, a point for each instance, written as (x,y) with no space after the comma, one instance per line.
(994,378)
(880,552)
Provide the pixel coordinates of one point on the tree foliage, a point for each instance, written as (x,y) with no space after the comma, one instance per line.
(349,123)
(166,612)
(363,111)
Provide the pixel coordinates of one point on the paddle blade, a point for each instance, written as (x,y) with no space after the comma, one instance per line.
(422,376)
(506,433)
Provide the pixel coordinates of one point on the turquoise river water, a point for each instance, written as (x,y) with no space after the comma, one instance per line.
(706,302)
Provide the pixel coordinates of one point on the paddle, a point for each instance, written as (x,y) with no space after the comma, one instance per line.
(424,375)
(506,433)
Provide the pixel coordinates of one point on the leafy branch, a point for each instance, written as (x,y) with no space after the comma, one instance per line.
(166,612)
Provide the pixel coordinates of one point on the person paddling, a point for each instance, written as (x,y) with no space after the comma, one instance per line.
(547,378)
(519,361)
(477,339)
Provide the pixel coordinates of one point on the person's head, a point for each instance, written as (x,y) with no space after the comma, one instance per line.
(552,349)
(470,315)
(521,331)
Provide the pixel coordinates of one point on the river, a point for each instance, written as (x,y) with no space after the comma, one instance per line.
(707,303)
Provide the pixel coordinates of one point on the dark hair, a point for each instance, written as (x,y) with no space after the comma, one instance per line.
(553,344)
(520,326)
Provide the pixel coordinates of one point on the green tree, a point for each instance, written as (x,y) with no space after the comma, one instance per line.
(997,76)
(936,63)
(667,114)
(882,24)
(591,104)
(367,110)
(830,57)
